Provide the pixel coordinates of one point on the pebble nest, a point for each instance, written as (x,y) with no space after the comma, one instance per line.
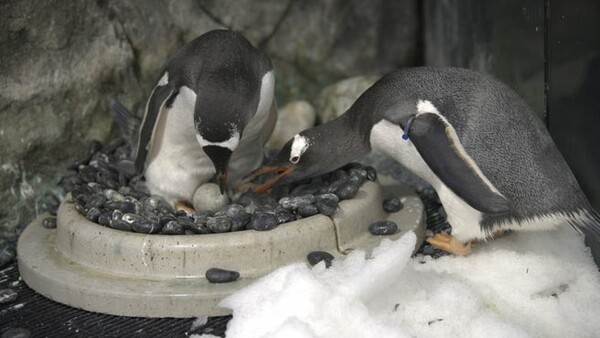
(104,192)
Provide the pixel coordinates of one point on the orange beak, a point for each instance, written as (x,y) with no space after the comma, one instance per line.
(281,171)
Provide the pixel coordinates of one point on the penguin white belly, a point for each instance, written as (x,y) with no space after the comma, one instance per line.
(386,138)
(177,165)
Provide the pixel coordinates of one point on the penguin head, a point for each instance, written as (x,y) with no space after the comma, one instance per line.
(306,155)
(219,149)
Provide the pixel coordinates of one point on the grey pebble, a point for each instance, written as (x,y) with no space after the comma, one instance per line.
(173,228)
(347,190)
(92,214)
(283,215)
(164,219)
(118,224)
(327,204)
(186,222)
(49,223)
(371,174)
(96,201)
(144,226)
(392,205)
(308,210)
(16,333)
(216,275)
(105,218)
(317,256)
(113,195)
(87,173)
(200,227)
(219,224)
(240,221)
(383,228)
(7,296)
(156,204)
(263,221)
(294,203)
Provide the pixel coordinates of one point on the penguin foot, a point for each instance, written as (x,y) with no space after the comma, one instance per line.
(446,242)
(181,205)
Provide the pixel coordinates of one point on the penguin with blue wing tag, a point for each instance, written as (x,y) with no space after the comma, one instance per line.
(485,152)
(209,114)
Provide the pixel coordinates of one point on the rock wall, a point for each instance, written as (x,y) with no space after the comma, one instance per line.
(62,61)
(502,38)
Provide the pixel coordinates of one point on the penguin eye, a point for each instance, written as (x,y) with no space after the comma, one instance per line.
(295,159)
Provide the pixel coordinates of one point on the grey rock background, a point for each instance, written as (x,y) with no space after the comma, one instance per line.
(62,61)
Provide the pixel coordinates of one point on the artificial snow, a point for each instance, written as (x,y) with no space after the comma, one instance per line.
(541,284)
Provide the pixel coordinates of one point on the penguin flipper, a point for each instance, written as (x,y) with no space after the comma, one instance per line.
(160,96)
(437,143)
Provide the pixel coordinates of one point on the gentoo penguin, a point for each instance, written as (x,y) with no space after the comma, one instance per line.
(484,151)
(211,111)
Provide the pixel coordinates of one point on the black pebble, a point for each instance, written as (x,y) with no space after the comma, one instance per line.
(327,204)
(118,224)
(219,224)
(180,213)
(145,227)
(92,214)
(49,223)
(371,174)
(88,173)
(200,227)
(358,176)
(383,228)
(7,296)
(200,219)
(166,218)
(283,215)
(186,222)
(308,210)
(347,190)
(216,275)
(317,256)
(240,221)
(173,228)
(262,221)
(392,204)
(105,218)
(96,201)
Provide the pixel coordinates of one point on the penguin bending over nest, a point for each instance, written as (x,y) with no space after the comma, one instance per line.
(211,111)
(485,152)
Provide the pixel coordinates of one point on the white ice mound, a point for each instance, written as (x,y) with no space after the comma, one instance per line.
(297,301)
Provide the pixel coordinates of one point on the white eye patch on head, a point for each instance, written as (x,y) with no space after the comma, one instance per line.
(299,146)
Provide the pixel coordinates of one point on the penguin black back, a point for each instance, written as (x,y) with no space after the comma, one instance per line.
(497,129)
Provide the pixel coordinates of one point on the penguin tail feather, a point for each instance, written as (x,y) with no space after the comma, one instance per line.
(589,226)
(127,122)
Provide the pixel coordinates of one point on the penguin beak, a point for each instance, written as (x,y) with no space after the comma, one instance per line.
(281,172)
(220,157)
(222,181)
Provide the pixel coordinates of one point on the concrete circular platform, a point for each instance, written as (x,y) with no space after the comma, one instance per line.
(95,268)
